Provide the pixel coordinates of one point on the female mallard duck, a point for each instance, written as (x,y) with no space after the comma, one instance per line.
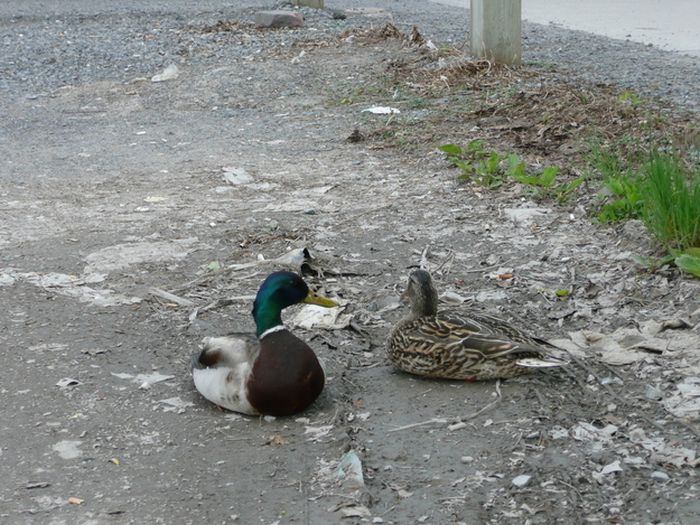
(455,345)
(276,373)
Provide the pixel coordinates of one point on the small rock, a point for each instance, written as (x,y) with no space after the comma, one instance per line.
(169,73)
(37,485)
(466,459)
(653,393)
(337,14)
(275,19)
(660,475)
(521,480)
(524,216)
(67,381)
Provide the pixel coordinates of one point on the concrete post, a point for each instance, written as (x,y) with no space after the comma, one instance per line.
(317,4)
(496,30)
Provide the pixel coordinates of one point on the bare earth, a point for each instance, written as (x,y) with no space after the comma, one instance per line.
(116,191)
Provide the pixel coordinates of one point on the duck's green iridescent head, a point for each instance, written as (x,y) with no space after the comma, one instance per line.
(277,292)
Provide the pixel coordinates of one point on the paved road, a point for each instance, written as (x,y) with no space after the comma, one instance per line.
(668,24)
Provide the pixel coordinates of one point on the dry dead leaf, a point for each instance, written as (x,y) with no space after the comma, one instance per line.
(278,440)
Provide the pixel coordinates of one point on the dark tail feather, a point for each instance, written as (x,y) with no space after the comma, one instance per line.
(205,359)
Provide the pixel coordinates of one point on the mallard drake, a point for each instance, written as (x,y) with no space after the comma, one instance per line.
(460,345)
(274,373)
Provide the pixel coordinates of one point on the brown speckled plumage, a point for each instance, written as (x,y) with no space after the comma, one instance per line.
(460,345)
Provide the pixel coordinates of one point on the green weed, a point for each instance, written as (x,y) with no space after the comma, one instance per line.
(491,169)
(626,202)
(672,203)
(631,98)
(545,183)
(663,195)
(621,183)
(476,163)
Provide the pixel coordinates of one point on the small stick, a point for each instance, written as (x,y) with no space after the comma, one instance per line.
(487,407)
(442,421)
(181,301)
(434,421)
(424,257)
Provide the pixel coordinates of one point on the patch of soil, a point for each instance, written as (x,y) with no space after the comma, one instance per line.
(594,442)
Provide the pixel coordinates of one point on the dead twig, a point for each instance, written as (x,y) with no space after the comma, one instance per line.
(434,421)
(171,297)
(424,257)
(443,421)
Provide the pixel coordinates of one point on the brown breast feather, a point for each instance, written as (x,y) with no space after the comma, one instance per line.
(287,376)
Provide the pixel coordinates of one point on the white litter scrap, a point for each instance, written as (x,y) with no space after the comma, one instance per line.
(597,437)
(685,401)
(611,468)
(350,471)
(317,433)
(48,347)
(355,511)
(68,449)
(293,259)
(175,403)
(141,379)
(67,382)
(524,216)
(152,199)
(676,456)
(169,73)
(382,110)
(314,316)
(521,480)
(236,176)
(662,452)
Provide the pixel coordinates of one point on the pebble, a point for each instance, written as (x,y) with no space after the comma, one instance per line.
(275,19)
(521,480)
(653,393)
(466,459)
(660,475)
(169,73)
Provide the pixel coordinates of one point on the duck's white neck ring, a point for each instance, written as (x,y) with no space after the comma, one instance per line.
(272,330)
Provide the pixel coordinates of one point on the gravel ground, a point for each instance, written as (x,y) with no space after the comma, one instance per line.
(132,39)
(111,184)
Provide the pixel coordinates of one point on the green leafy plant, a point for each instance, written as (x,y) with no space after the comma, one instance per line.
(626,202)
(476,162)
(565,190)
(488,171)
(630,97)
(545,183)
(543,180)
(515,166)
(688,263)
(663,195)
(622,192)
(491,169)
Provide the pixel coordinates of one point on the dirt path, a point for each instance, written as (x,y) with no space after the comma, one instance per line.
(165,185)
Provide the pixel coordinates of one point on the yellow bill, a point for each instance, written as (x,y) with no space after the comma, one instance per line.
(314,298)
